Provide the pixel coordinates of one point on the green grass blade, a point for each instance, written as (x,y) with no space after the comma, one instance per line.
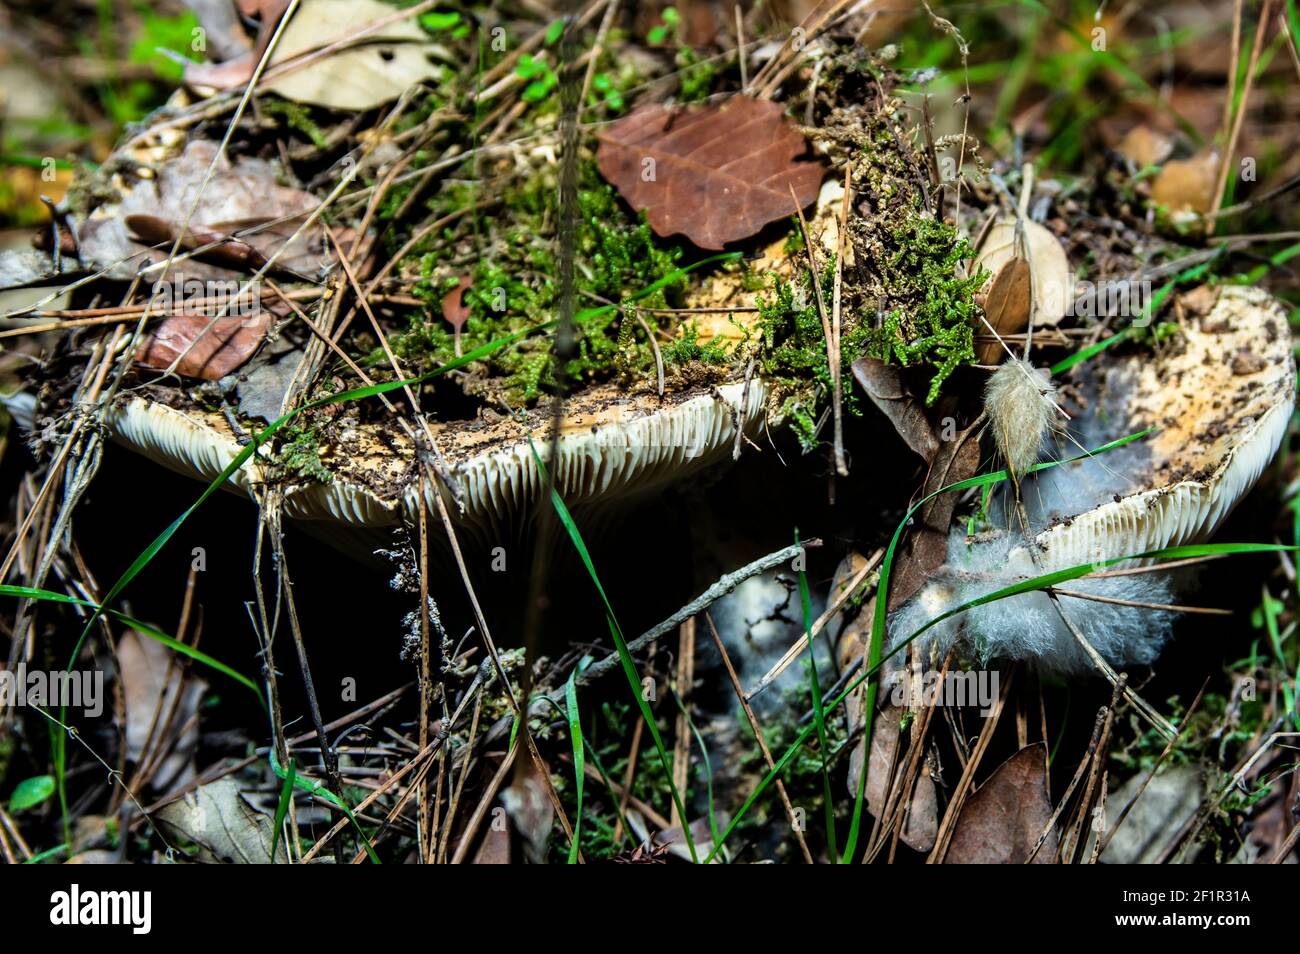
(579,748)
(819,713)
(282,809)
(28,593)
(708,768)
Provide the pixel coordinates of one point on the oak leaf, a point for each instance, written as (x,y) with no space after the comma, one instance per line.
(715,174)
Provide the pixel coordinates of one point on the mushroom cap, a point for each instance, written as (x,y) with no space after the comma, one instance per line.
(1219,402)
(612,445)
(1220,396)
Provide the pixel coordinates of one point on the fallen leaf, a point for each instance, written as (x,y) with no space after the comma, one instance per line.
(1051,269)
(494,849)
(209,353)
(715,174)
(359,77)
(240,192)
(921,824)
(226,826)
(532,812)
(1185,187)
(238,60)
(262,390)
(30,792)
(226,250)
(1002,821)
(222,30)
(673,841)
(1006,306)
(24,266)
(160,699)
(884,385)
(849,567)
(454,308)
(1144,147)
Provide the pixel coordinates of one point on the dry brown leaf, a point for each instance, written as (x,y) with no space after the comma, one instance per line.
(216,351)
(160,700)
(245,191)
(494,849)
(225,825)
(1051,269)
(884,385)
(1168,801)
(1143,147)
(531,810)
(1186,186)
(922,822)
(1006,306)
(1001,822)
(238,65)
(226,251)
(714,174)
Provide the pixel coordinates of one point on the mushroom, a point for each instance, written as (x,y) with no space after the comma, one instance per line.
(612,445)
(1219,398)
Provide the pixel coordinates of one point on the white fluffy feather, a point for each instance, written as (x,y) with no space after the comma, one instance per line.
(1028,626)
(1018,399)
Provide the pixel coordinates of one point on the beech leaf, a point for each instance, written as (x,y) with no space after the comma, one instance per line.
(209,353)
(715,174)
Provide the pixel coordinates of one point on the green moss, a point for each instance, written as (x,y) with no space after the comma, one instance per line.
(793,353)
(687,347)
(298,456)
(298,117)
(935,325)
(697,76)
(514,288)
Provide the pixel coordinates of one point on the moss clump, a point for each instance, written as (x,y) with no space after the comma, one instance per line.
(936,326)
(688,348)
(514,288)
(298,118)
(793,353)
(905,258)
(298,456)
(697,76)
